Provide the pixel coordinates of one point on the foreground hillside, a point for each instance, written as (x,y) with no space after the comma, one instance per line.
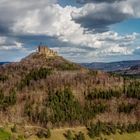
(52,92)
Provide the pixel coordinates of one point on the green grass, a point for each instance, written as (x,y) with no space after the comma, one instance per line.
(4,135)
(58,134)
(132,136)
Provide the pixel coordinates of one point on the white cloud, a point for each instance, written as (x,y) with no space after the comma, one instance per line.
(117,50)
(57,21)
(2,40)
(98,16)
(48,18)
(9,44)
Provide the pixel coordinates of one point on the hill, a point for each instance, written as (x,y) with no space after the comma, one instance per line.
(1,63)
(112,66)
(47,90)
(132,71)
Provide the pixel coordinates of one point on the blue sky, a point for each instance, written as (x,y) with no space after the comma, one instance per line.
(127,27)
(79,30)
(68,2)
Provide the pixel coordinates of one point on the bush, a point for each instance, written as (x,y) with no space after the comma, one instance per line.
(95,130)
(14,128)
(48,133)
(40,134)
(69,135)
(44,134)
(80,136)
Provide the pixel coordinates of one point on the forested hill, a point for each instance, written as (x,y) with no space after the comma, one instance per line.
(52,92)
(112,66)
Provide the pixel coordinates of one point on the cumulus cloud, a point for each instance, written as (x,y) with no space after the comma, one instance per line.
(75,32)
(98,17)
(10,11)
(57,21)
(7,44)
(54,21)
(97,1)
(117,50)
(11,49)
(107,44)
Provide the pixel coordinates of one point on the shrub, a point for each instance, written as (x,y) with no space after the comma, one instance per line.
(44,134)
(80,136)
(14,128)
(69,135)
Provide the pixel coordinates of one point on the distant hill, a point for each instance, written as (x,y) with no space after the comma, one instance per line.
(1,63)
(133,70)
(112,66)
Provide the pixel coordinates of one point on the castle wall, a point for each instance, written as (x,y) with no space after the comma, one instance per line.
(45,50)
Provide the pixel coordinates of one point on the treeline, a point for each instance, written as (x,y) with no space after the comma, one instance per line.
(36,114)
(103,94)
(92,109)
(68,66)
(62,108)
(65,107)
(7,100)
(133,89)
(95,130)
(34,75)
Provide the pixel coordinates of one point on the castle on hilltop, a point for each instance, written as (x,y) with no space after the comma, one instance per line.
(45,50)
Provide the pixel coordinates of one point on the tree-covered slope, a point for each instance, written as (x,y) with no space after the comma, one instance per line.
(53,92)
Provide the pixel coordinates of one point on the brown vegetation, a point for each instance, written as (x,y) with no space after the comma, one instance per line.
(37,80)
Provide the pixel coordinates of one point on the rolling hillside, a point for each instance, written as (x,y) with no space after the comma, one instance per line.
(53,92)
(112,66)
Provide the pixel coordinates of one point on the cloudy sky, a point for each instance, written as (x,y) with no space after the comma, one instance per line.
(80,30)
